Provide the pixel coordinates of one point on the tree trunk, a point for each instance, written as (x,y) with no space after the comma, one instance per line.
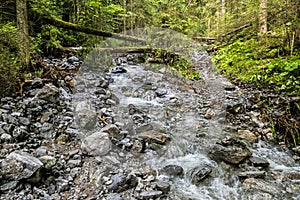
(263,17)
(124,17)
(23,36)
(75,27)
(223,11)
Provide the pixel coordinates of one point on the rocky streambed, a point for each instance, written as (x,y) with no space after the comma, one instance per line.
(140,132)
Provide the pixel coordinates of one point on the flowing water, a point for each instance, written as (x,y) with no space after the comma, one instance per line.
(176,108)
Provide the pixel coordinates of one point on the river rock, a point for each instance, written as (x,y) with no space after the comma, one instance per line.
(259,162)
(19,134)
(114,196)
(198,174)
(138,146)
(260,185)
(9,128)
(48,93)
(160,92)
(294,175)
(113,131)
(97,144)
(64,95)
(47,131)
(73,59)
(37,83)
(48,161)
(24,121)
(19,165)
(8,186)
(151,194)
(252,174)
(172,170)
(6,138)
(121,182)
(163,186)
(229,154)
(259,196)
(118,69)
(153,137)
(247,135)
(209,114)
(86,119)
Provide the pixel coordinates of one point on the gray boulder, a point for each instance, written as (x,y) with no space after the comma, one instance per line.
(96,144)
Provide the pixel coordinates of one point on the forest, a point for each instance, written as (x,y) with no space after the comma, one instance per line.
(150,99)
(254,41)
(251,41)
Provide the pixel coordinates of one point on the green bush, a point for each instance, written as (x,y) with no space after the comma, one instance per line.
(9,67)
(260,62)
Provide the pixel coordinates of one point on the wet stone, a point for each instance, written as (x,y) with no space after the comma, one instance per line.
(73,59)
(48,161)
(6,138)
(48,93)
(153,137)
(137,146)
(64,95)
(121,182)
(19,134)
(260,185)
(97,144)
(294,175)
(8,186)
(8,128)
(160,92)
(259,162)
(20,165)
(247,135)
(209,114)
(24,121)
(37,83)
(252,174)
(163,186)
(113,131)
(47,131)
(151,194)
(118,69)
(114,196)
(86,119)
(74,163)
(198,174)
(172,170)
(230,154)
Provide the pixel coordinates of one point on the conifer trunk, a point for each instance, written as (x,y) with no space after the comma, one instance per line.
(23,36)
(263,17)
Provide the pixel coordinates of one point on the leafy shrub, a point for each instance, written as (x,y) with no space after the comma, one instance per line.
(260,62)
(9,67)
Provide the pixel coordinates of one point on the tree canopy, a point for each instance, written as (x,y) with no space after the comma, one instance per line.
(270,27)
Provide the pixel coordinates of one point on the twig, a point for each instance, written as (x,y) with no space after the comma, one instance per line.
(102,119)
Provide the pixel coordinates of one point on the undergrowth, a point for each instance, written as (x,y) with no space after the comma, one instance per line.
(267,63)
(264,62)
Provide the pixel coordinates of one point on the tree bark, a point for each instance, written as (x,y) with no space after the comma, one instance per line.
(223,10)
(23,36)
(75,27)
(263,17)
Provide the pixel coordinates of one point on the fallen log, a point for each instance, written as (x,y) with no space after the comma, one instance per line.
(75,27)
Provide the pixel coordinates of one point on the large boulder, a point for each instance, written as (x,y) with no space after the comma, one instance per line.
(97,144)
(230,150)
(48,93)
(86,119)
(19,166)
(199,174)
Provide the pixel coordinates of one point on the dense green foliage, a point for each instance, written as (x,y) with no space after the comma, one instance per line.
(249,62)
